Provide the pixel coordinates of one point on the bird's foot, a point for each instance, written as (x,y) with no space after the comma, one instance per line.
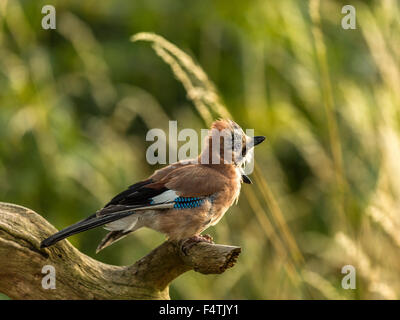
(206,238)
(190,242)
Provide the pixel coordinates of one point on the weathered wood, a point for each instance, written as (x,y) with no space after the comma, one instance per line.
(81,277)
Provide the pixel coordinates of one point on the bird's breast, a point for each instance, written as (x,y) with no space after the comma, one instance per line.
(224,199)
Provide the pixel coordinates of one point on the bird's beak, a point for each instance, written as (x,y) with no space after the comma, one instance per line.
(258,139)
(246,179)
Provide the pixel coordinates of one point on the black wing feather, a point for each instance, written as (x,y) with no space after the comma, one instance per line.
(131,189)
(137,194)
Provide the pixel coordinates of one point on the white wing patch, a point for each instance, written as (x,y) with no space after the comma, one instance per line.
(167,196)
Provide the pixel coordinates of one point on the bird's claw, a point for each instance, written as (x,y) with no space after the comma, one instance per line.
(190,242)
(207,238)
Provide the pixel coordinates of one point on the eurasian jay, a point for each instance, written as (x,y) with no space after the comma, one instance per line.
(182,199)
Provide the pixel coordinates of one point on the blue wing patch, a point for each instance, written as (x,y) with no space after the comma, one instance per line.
(187,202)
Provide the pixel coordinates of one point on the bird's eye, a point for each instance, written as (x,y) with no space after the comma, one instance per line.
(244,151)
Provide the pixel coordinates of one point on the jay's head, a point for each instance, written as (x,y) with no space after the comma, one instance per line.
(227,143)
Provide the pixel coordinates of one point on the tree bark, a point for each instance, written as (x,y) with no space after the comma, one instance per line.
(81,277)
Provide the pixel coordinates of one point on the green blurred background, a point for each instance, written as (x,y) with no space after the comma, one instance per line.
(76,104)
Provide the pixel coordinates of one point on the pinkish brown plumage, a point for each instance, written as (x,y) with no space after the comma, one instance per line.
(180,200)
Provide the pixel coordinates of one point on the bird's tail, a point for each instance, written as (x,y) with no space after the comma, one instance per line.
(91,222)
